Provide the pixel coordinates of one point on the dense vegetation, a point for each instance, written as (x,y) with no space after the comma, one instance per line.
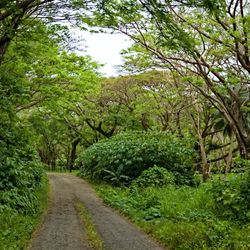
(177,118)
(186,217)
(212,215)
(23,186)
(31,73)
(124,157)
(20,215)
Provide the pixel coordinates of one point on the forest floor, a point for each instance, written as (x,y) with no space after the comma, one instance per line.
(63,229)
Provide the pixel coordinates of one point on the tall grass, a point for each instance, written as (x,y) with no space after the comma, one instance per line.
(181,218)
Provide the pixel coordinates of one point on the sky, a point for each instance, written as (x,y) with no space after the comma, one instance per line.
(105,49)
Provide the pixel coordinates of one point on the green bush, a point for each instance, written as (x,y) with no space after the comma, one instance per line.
(154,177)
(232,196)
(20,176)
(127,155)
(20,168)
(16,228)
(240,165)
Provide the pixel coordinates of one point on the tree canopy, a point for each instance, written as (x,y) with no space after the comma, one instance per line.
(205,42)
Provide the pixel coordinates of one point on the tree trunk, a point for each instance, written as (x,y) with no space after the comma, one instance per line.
(201,142)
(178,124)
(204,162)
(244,149)
(68,156)
(4,44)
(73,154)
(229,158)
(144,122)
(241,132)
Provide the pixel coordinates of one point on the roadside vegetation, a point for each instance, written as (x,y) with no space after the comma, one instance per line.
(163,195)
(183,217)
(22,214)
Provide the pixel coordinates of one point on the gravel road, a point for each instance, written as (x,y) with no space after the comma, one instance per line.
(63,230)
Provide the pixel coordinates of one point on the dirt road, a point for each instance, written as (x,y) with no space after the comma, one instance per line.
(63,230)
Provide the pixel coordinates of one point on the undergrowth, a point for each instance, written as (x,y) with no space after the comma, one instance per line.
(181,218)
(16,227)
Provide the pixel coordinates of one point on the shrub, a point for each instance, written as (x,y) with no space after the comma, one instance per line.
(17,191)
(232,196)
(240,165)
(16,228)
(154,177)
(129,154)
(20,169)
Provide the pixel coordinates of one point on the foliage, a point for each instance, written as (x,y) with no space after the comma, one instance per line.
(20,170)
(16,227)
(181,218)
(19,165)
(23,191)
(20,175)
(240,165)
(154,177)
(15,14)
(18,188)
(39,79)
(232,197)
(177,36)
(129,154)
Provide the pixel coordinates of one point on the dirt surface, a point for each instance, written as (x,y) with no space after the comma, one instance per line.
(62,228)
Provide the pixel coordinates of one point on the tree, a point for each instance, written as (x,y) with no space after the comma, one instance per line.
(13,14)
(39,78)
(55,119)
(206,42)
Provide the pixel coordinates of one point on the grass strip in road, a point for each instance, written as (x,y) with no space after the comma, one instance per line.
(93,236)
